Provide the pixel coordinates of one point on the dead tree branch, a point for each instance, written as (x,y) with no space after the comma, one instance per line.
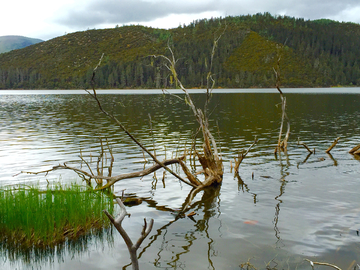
(321,263)
(282,143)
(111,180)
(210,160)
(131,247)
(305,146)
(112,117)
(355,150)
(332,145)
(242,156)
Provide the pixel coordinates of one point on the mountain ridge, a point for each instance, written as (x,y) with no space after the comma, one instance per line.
(14,42)
(318,53)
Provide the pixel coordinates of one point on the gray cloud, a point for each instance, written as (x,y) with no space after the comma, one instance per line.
(99,12)
(126,11)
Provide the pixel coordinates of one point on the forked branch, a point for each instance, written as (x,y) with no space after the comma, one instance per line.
(144,233)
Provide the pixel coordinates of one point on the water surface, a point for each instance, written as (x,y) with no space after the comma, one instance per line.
(278,210)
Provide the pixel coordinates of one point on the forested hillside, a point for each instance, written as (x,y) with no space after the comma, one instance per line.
(312,54)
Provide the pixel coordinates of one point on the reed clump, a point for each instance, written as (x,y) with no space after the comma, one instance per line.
(31,217)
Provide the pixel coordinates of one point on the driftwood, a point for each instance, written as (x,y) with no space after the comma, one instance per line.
(131,247)
(332,145)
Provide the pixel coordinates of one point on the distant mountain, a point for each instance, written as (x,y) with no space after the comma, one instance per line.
(318,53)
(9,43)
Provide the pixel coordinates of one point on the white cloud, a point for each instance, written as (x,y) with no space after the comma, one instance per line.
(46,19)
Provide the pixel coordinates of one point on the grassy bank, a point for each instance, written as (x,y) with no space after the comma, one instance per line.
(31,217)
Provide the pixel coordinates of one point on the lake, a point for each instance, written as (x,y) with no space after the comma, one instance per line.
(277,212)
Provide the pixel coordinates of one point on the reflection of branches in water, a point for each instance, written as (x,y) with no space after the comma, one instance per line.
(319,159)
(284,173)
(332,158)
(210,208)
(244,187)
(277,211)
(305,160)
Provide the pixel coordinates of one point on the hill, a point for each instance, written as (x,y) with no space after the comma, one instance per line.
(316,53)
(9,43)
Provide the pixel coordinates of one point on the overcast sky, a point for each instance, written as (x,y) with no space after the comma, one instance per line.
(46,19)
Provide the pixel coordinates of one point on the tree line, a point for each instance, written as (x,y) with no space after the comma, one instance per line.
(318,53)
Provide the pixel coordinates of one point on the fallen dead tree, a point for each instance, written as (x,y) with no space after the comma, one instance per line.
(208,156)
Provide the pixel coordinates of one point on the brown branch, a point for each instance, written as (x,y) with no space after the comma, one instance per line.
(94,95)
(321,263)
(355,150)
(211,160)
(111,160)
(111,180)
(305,146)
(242,156)
(332,145)
(131,247)
(282,144)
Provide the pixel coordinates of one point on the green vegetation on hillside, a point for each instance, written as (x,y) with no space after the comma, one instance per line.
(313,54)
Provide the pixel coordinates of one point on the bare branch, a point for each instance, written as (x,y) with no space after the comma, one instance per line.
(321,263)
(355,150)
(112,117)
(282,144)
(242,156)
(144,233)
(305,146)
(111,180)
(332,145)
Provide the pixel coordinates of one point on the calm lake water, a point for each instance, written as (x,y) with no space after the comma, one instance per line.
(278,211)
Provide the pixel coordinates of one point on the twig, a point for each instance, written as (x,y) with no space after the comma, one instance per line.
(306,147)
(332,145)
(242,156)
(321,263)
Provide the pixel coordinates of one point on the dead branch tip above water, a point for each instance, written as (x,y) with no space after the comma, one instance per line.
(332,145)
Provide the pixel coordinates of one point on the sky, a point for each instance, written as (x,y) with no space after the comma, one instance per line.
(47,19)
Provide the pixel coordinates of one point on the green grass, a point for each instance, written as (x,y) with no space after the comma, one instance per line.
(31,217)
